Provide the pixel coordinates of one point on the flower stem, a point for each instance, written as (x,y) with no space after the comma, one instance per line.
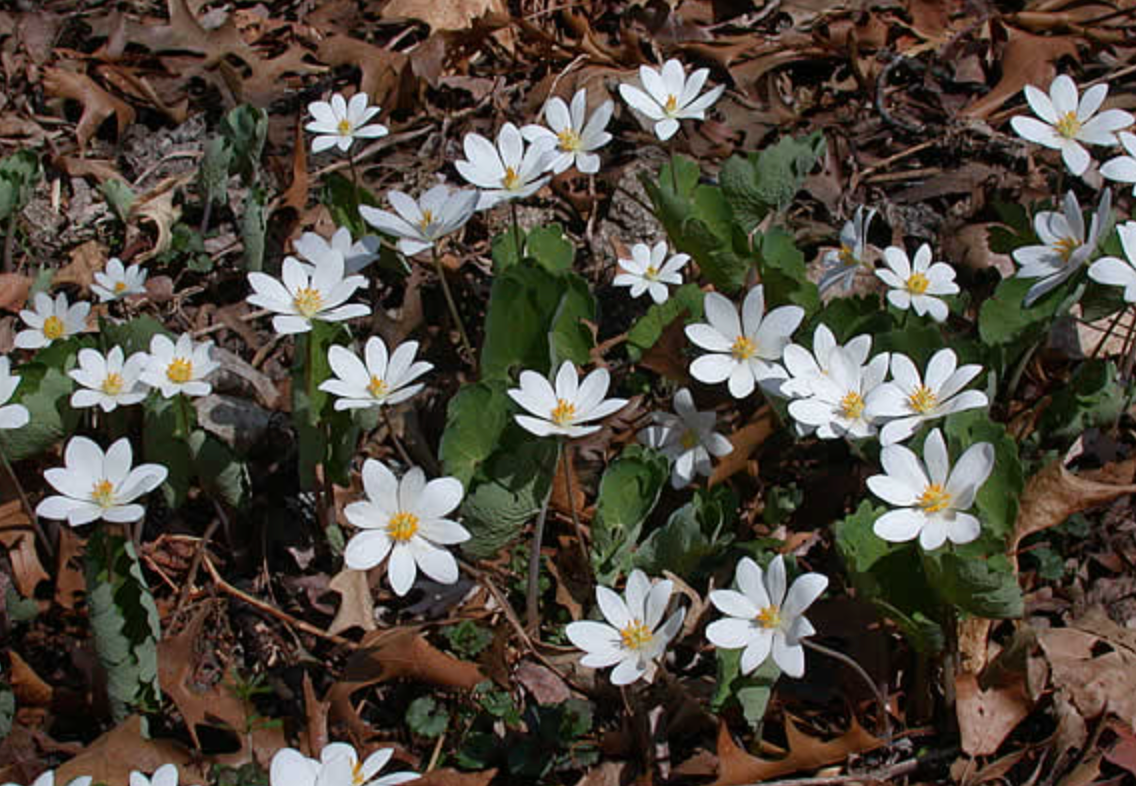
(355,179)
(184,421)
(398,446)
(29,511)
(881,699)
(452,304)
(566,460)
(517,231)
(532,591)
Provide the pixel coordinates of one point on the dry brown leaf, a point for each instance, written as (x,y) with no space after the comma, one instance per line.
(1054,494)
(70,583)
(667,357)
(86,260)
(1026,60)
(14,290)
(448,15)
(1095,682)
(448,777)
(296,195)
(986,717)
(543,684)
(98,104)
(138,88)
(158,208)
(385,73)
(736,767)
(112,757)
(17,535)
(29,687)
(746,441)
(356,606)
(98,168)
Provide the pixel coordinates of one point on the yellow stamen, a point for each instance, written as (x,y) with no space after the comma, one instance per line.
(852,405)
(113,384)
(569,140)
(651,273)
(671,105)
(1065,247)
(769,617)
(564,412)
(53,328)
(357,776)
(426,220)
(848,256)
(511,179)
(917,284)
(743,348)
(102,494)
(308,302)
(402,527)
(344,127)
(1068,125)
(923,399)
(119,287)
(689,439)
(635,635)
(179,371)
(377,387)
(934,499)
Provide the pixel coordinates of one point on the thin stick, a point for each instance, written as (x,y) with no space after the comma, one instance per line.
(532,591)
(198,556)
(452,304)
(566,460)
(881,699)
(398,446)
(1108,333)
(517,230)
(27,505)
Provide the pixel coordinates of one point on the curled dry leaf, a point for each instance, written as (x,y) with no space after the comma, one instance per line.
(29,688)
(86,260)
(356,606)
(746,441)
(1026,60)
(112,757)
(17,535)
(450,15)
(986,717)
(98,104)
(14,290)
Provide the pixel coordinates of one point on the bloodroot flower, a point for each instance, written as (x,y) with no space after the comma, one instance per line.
(647,272)
(338,123)
(47,778)
(11,415)
(51,321)
(377,379)
(166,775)
(356,255)
(419,225)
(930,497)
(687,438)
(1116,272)
(93,485)
(507,170)
(117,282)
(842,264)
(338,765)
(572,139)
(181,367)
(1065,247)
(109,382)
(763,618)
(563,410)
(316,292)
(405,520)
(667,96)
(917,284)
(632,638)
(1122,169)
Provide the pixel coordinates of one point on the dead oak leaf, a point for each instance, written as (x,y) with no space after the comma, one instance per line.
(98,104)
(86,260)
(356,606)
(17,535)
(449,15)
(112,757)
(986,717)
(1026,60)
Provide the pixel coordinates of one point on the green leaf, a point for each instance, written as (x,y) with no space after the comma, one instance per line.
(569,338)
(213,177)
(425,718)
(46,391)
(848,317)
(254,225)
(699,530)
(7,710)
(628,491)
(119,196)
(1094,397)
(467,638)
(752,692)
(245,129)
(124,622)
(475,420)
(769,180)
(164,443)
(918,341)
(133,336)
(783,273)
(548,246)
(221,473)
(997,501)
(643,335)
(19,174)
(503,248)
(985,588)
(1004,319)
(343,198)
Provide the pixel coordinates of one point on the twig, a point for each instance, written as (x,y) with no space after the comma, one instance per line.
(1108,333)
(29,511)
(532,591)
(198,555)
(881,699)
(587,559)
(398,446)
(887,774)
(881,96)
(452,304)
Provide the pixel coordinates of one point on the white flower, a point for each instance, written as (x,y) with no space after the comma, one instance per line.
(179,368)
(1122,169)
(309,293)
(563,410)
(339,123)
(842,264)
(338,765)
(108,382)
(1119,272)
(916,284)
(47,778)
(646,271)
(166,775)
(116,282)
(668,96)
(743,351)
(1066,246)
(94,485)
(382,379)
(1068,120)
(837,406)
(632,637)
(405,519)
(763,617)
(356,255)
(806,367)
(687,438)
(11,415)
(930,498)
(509,170)
(51,320)
(912,401)
(419,225)
(570,136)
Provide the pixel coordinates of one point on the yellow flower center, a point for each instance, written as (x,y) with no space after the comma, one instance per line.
(743,348)
(848,256)
(769,617)
(426,220)
(563,413)
(511,179)
(377,387)
(1065,247)
(113,384)
(119,287)
(180,371)
(102,494)
(402,527)
(923,399)
(852,405)
(689,439)
(671,104)
(635,635)
(53,328)
(1068,125)
(934,499)
(569,140)
(344,127)
(917,284)
(308,302)
(651,273)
